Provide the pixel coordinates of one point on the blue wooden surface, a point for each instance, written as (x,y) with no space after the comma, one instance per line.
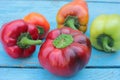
(101,66)
(41,74)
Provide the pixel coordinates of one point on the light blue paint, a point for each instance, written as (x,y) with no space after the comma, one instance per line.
(41,74)
(11,10)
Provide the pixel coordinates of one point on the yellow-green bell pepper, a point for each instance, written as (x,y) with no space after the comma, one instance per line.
(105,33)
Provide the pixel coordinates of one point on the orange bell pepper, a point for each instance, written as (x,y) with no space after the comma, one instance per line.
(74,15)
(40,22)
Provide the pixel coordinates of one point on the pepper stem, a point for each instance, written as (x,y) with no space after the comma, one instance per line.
(106,47)
(25,41)
(63,41)
(40,30)
(72,22)
(106,43)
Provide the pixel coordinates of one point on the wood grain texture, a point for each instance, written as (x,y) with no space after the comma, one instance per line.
(18,9)
(41,74)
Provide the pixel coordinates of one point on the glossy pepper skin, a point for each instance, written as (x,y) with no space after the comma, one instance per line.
(74,15)
(18,38)
(40,22)
(105,33)
(65,51)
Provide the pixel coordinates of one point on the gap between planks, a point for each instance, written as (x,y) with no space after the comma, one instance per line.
(87,67)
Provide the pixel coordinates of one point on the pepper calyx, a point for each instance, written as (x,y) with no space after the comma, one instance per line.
(63,41)
(106,43)
(72,22)
(40,30)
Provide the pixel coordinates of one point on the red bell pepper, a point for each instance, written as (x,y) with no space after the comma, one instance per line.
(18,38)
(40,22)
(65,51)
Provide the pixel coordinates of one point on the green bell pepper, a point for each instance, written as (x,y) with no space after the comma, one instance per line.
(105,33)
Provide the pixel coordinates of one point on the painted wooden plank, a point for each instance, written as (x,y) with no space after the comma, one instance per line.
(70,0)
(41,74)
(18,9)
(104,0)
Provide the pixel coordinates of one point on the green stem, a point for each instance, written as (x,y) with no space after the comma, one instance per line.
(25,41)
(106,47)
(63,41)
(40,30)
(106,43)
(72,22)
